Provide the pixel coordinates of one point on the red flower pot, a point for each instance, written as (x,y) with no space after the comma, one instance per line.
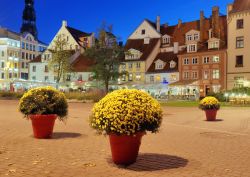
(43,125)
(211,114)
(125,148)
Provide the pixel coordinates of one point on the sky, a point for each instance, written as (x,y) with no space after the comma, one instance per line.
(87,16)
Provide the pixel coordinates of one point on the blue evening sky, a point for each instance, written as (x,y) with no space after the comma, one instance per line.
(125,15)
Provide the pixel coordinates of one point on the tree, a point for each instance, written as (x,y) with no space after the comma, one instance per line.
(107,55)
(60,61)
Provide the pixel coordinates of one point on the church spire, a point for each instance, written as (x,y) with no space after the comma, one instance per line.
(29,19)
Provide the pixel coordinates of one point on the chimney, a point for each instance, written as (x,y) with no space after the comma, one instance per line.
(215,22)
(176,47)
(179,23)
(229,9)
(158,23)
(64,23)
(202,25)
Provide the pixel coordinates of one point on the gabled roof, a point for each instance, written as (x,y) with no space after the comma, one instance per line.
(241,5)
(6,33)
(145,49)
(82,64)
(77,34)
(166,57)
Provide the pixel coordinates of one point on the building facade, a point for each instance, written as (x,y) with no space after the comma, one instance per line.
(238,67)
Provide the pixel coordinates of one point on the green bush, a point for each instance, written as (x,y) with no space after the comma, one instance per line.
(10,95)
(44,101)
(93,95)
(220,96)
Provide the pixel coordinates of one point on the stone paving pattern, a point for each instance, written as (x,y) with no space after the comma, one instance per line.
(186,146)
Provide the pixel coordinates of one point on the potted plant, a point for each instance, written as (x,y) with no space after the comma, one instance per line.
(210,105)
(126,115)
(42,106)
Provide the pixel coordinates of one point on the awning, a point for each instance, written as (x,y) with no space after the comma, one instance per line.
(185,83)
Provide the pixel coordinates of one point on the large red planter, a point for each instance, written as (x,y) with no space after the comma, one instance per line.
(125,148)
(211,114)
(43,125)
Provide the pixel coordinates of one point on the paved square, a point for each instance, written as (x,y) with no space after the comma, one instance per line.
(187,146)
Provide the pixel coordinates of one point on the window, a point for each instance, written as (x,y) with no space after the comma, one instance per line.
(205,60)
(191,48)
(186,75)
(33,78)
(23,55)
(186,61)
(15,65)
(27,56)
(2,75)
(68,77)
(27,46)
(55,78)
(240,42)
(152,78)
(166,40)
(238,82)
(23,64)
(30,56)
(195,61)
(34,56)
(239,61)
(46,78)
(214,45)
(2,65)
(46,69)
(34,69)
(34,48)
(23,45)
(10,75)
(195,75)
(143,32)
(173,77)
(138,77)
(130,65)
(172,64)
(216,74)
(206,75)
(159,65)
(138,65)
(2,53)
(15,75)
(79,77)
(130,77)
(124,77)
(189,37)
(196,37)
(216,59)
(240,24)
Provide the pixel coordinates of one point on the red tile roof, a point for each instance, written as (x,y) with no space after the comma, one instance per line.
(138,44)
(241,5)
(167,57)
(82,64)
(38,59)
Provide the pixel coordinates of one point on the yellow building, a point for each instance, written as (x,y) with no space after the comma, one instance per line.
(238,67)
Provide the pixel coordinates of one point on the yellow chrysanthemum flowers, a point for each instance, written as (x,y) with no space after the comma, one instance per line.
(209,103)
(44,100)
(126,112)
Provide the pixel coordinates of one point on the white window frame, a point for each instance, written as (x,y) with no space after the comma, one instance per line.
(216,74)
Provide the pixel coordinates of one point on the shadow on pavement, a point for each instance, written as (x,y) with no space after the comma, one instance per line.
(217,120)
(66,135)
(155,162)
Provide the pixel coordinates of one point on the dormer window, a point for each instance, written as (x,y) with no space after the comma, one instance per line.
(133,54)
(159,66)
(166,40)
(196,37)
(172,64)
(189,38)
(192,48)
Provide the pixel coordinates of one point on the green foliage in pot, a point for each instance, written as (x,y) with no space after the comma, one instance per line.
(44,101)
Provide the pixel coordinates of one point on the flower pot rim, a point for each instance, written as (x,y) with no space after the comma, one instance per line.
(37,116)
(116,134)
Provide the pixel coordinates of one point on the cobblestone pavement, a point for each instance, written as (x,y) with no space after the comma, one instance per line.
(187,146)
